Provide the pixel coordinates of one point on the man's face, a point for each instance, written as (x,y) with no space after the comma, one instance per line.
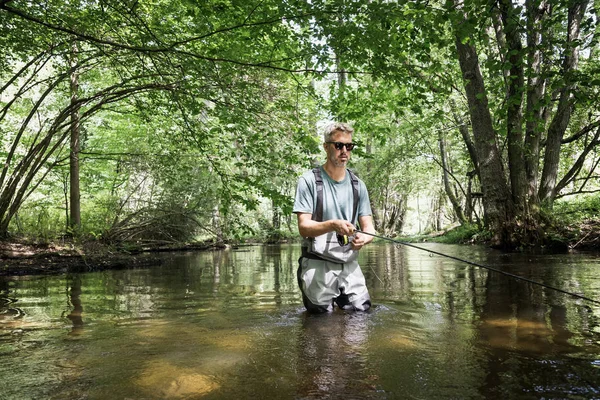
(338,157)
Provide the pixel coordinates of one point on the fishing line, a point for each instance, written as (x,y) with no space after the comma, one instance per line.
(480,266)
(343,240)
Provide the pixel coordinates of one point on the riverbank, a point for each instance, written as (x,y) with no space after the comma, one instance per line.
(26,258)
(558,238)
(63,256)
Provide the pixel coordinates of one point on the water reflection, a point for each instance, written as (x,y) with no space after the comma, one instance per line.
(10,313)
(332,356)
(230,324)
(77,309)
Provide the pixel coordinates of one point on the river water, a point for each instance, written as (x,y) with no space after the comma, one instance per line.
(230,325)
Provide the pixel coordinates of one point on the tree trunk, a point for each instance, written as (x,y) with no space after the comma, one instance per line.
(536,87)
(515,82)
(74,194)
(573,172)
(276,220)
(463,128)
(497,203)
(216,223)
(439,221)
(446,180)
(558,126)
(433,217)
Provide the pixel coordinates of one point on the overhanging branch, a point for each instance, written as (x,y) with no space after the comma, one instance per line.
(172,48)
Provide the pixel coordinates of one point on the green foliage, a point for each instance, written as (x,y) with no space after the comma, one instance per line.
(204,135)
(39,222)
(462,234)
(199,116)
(575,210)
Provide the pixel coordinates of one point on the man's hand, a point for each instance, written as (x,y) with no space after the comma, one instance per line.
(342,227)
(359,241)
(309,228)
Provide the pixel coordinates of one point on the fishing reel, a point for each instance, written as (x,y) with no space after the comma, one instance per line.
(343,240)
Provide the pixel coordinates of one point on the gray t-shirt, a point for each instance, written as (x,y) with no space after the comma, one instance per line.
(338,201)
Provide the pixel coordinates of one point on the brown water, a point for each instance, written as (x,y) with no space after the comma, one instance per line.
(230,325)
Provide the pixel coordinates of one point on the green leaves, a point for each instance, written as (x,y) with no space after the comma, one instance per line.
(220,100)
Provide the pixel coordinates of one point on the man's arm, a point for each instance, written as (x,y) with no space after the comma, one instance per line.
(309,228)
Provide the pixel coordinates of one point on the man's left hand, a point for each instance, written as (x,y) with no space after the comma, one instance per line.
(358,242)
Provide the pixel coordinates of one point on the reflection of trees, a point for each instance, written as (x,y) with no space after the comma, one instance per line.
(390,264)
(519,335)
(520,321)
(7,310)
(273,258)
(75,301)
(3,295)
(217,264)
(279,263)
(254,275)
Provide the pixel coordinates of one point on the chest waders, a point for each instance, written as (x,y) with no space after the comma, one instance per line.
(322,282)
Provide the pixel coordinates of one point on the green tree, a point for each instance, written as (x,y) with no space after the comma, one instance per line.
(222,64)
(521,69)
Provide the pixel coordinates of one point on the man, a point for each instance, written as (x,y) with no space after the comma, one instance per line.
(344,198)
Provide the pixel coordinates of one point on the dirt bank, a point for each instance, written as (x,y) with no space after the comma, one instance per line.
(21,258)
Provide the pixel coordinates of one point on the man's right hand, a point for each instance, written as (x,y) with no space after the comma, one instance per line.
(342,227)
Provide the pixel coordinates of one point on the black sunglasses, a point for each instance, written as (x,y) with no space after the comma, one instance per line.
(339,145)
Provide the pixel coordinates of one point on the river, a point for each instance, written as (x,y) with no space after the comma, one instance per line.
(230,324)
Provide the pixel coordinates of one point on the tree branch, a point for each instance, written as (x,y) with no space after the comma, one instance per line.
(172,48)
(574,170)
(582,132)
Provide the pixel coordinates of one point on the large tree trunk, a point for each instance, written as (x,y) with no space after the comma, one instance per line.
(515,94)
(497,202)
(558,126)
(463,128)
(536,87)
(74,194)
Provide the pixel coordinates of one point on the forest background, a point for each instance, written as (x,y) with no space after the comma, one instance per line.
(156,122)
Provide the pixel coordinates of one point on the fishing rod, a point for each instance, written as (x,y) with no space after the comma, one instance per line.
(345,240)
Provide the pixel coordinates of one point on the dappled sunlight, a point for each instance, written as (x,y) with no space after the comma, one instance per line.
(522,335)
(514,323)
(228,340)
(165,329)
(167,381)
(400,341)
(10,323)
(195,335)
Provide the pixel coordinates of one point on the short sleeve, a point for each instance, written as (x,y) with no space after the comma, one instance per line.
(304,201)
(364,205)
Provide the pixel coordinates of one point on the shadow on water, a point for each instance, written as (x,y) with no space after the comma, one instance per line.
(230,324)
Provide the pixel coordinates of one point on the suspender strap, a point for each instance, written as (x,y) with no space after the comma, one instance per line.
(318,214)
(354,179)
